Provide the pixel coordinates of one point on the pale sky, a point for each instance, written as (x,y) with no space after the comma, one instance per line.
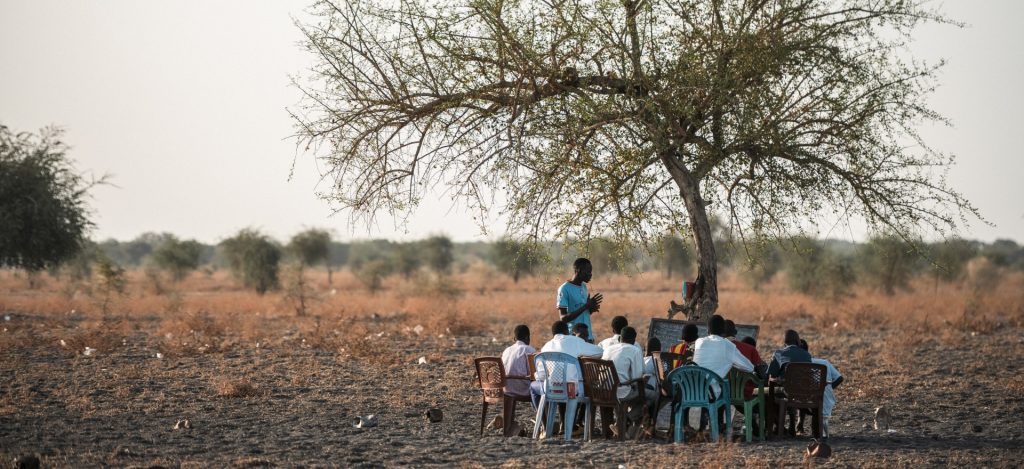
(183,104)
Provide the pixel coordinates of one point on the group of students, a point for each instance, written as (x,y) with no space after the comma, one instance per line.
(719,352)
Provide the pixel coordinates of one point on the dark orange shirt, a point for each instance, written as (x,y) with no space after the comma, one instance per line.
(683,349)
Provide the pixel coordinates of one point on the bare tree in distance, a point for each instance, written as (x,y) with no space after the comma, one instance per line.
(631,118)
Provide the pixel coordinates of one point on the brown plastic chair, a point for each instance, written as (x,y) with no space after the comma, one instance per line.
(492,381)
(804,384)
(601,383)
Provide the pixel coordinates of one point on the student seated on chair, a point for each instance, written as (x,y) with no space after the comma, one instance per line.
(791,353)
(829,401)
(629,364)
(562,342)
(719,355)
(618,322)
(684,348)
(514,359)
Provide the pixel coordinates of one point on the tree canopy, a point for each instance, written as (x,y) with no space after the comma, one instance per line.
(44,218)
(631,118)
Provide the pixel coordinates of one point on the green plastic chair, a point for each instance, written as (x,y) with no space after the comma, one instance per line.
(739,380)
(691,387)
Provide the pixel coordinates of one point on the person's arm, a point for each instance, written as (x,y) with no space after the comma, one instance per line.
(773,369)
(593,304)
(588,349)
(837,382)
(740,362)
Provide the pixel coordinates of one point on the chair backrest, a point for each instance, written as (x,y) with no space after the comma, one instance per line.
(491,373)
(805,384)
(738,380)
(600,380)
(559,368)
(691,384)
(532,365)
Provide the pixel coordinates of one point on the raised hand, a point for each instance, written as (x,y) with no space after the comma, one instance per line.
(595,302)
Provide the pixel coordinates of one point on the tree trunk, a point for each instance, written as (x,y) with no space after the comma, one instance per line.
(705,298)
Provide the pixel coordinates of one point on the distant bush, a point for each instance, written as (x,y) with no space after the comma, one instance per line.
(178,258)
(438,253)
(372,273)
(888,263)
(516,258)
(253,259)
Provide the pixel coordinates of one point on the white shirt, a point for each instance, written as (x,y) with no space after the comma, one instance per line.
(611,340)
(719,355)
(571,345)
(629,364)
(514,359)
(829,402)
(651,372)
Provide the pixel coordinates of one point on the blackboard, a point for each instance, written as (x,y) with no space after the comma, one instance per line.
(670,331)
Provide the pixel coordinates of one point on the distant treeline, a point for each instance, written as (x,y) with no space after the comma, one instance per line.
(820,267)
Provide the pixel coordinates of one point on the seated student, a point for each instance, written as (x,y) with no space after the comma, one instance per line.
(791,353)
(582,331)
(514,359)
(684,348)
(719,355)
(653,345)
(829,402)
(629,364)
(618,322)
(750,341)
(561,341)
(750,352)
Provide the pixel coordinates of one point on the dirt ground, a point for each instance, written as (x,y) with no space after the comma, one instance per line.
(288,398)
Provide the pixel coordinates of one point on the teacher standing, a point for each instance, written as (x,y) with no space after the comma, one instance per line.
(575,305)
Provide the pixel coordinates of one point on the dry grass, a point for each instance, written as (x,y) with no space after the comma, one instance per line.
(236,388)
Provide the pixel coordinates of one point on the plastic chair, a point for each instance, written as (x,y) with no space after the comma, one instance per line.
(691,387)
(804,384)
(738,382)
(559,370)
(601,382)
(490,372)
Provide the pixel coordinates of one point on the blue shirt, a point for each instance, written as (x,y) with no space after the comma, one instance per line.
(571,297)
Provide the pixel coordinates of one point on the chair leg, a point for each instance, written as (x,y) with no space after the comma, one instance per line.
(762,413)
(713,422)
(589,422)
(748,420)
(539,417)
(816,422)
(570,418)
(508,415)
(483,419)
(549,421)
(620,421)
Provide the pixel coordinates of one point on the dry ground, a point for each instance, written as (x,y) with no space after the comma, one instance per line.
(262,386)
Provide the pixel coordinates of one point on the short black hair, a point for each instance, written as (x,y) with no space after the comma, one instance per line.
(628,335)
(690,333)
(730,328)
(580,262)
(803,344)
(749,340)
(792,338)
(653,345)
(560,327)
(716,325)
(522,333)
(618,322)
(580,327)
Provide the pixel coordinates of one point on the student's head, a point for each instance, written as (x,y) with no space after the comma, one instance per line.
(628,335)
(750,340)
(560,327)
(653,345)
(730,328)
(618,322)
(792,338)
(580,330)
(716,326)
(523,333)
(583,268)
(803,344)
(690,333)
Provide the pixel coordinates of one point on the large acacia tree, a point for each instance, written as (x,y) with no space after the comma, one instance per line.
(630,118)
